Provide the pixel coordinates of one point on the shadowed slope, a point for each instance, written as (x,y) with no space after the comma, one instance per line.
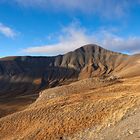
(23,77)
(34,73)
(104,95)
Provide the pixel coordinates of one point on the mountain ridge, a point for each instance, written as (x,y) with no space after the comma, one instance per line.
(88,73)
(45,72)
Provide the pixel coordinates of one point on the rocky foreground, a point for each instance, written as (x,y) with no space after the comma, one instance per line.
(82,110)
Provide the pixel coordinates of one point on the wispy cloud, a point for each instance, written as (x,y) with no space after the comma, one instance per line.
(112,41)
(7,31)
(70,38)
(75,36)
(106,8)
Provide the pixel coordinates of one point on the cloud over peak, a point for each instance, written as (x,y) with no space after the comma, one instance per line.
(70,38)
(75,36)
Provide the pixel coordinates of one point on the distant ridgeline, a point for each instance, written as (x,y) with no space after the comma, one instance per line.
(28,75)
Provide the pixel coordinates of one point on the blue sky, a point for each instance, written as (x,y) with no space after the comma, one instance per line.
(51,27)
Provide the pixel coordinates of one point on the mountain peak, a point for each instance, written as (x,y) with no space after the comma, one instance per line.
(89,47)
(41,72)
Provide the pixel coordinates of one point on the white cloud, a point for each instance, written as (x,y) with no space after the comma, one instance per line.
(117,43)
(73,37)
(107,8)
(7,31)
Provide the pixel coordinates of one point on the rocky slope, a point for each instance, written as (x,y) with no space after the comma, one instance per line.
(28,75)
(97,91)
(88,109)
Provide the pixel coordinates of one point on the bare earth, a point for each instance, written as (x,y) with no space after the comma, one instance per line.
(109,110)
(87,94)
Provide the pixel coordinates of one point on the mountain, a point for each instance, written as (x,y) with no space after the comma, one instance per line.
(83,94)
(27,75)
(90,109)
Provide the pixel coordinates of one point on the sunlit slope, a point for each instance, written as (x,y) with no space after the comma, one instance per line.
(28,75)
(82,112)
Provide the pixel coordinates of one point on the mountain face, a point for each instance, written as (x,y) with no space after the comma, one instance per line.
(27,75)
(103,96)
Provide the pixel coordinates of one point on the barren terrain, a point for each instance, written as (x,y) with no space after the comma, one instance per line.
(96,97)
(108,110)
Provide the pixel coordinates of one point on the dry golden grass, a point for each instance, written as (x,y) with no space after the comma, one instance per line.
(77,111)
